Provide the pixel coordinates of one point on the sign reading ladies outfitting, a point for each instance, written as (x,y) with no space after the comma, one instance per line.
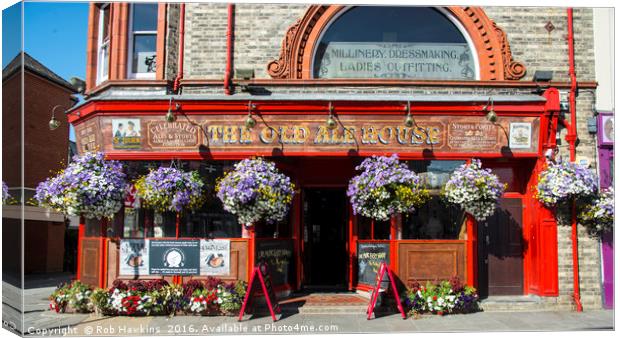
(397,60)
(309,133)
(174,257)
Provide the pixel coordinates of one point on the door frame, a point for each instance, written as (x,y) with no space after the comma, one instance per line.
(349,242)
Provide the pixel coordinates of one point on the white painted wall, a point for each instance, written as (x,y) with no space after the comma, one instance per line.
(604,58)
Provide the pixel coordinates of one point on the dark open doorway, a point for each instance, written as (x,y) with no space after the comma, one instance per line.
(325,238)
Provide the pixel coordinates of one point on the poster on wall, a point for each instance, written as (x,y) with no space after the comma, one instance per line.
(134,257)
(607,124)
(215,257)
(369,258)
(126,134)
(174,257)
(520,135)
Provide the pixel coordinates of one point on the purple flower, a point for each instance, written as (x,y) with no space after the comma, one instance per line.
(474,189)
(385,187)
(90,186)
(560,182)
(255,190)
(170,189)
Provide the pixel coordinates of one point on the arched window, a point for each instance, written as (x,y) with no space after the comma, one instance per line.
(395,42)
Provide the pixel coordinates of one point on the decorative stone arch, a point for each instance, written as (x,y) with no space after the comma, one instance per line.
(492,47)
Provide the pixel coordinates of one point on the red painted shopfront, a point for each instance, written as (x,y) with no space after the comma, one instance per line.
(513,252)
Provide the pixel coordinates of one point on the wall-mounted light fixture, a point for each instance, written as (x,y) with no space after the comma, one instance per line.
(491,115)
(250,122)
(170,117)
(409,121)
(54,123)
(331,122)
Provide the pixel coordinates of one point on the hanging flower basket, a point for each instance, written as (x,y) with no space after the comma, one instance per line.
(171,190)
(562,181)
(474,189)
(5,193)
(384,188)
(598,216)
(90,186)
(255,191)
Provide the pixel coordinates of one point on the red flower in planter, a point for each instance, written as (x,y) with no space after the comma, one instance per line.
(434,297)
(130,303)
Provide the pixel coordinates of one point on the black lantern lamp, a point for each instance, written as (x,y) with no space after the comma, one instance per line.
(250,121)
(331,122)
(491,115)
(409,121)
(54,123)
(170,117)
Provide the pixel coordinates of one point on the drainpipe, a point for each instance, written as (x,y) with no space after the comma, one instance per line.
(229,41)
(571,138)
(177,80)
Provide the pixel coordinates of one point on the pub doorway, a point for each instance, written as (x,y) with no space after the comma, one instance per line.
(325,235)
(501,250)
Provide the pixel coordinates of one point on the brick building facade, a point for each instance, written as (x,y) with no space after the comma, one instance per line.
(207,51)
(45,151)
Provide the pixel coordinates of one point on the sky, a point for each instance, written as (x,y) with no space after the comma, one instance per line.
(54,34)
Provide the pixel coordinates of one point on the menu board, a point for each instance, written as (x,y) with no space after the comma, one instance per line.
(369,258)
(174,257)
(277,254)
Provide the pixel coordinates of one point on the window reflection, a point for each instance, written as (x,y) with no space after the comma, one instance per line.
(393,42)
(435,220)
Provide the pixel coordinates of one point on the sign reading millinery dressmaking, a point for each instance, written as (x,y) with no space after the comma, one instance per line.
(397,60)
(309,133)
(215,257)
(134,257)
(174,257)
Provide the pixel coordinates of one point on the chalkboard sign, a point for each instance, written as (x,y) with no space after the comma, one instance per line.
(369,258)
(278,256)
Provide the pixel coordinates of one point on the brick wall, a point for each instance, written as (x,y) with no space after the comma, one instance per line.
(258,34)
(45,150)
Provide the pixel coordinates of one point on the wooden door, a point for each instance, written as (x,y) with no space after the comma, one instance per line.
(501,250)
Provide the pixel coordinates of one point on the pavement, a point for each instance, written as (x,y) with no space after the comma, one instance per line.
(306,314)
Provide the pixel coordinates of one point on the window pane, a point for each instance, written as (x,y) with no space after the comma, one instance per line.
(393,42)
(105,22)
(103,62)
(144,53)
(144,17)
(434,173)
(434,220)
(364,228)
(92,227)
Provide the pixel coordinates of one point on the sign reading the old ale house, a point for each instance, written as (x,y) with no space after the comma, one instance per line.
(309,133)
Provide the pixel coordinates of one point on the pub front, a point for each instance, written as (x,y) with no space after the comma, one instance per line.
(322,244)
(338,91)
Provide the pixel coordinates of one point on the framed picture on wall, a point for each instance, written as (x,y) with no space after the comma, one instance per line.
(606,129)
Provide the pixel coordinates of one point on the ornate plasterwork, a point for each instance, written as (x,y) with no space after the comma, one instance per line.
(489,40)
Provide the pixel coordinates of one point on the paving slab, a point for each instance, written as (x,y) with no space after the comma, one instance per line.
(90,324)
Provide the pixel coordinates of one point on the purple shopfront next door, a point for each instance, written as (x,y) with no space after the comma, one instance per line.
(606,171)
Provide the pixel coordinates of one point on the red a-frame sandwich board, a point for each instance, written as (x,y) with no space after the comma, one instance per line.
(383,269)
(260,274)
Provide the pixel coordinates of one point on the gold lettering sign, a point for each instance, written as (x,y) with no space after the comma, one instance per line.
(309,134)
(172,135)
